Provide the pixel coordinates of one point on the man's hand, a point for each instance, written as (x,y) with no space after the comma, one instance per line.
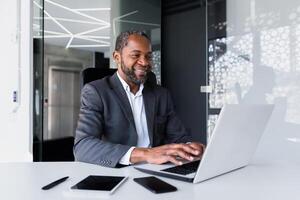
(167,153)
(197,146)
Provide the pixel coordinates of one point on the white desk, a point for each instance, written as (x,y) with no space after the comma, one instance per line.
(273,175)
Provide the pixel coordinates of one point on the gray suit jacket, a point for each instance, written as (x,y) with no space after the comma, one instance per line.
(106,129)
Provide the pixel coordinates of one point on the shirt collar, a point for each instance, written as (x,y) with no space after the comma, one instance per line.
(127,88)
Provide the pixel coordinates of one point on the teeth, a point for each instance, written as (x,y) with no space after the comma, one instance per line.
(140,70)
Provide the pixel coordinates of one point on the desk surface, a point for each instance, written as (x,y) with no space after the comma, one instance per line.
(257,181)
(273,174)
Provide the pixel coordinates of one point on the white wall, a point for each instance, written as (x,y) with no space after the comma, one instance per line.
(16,70)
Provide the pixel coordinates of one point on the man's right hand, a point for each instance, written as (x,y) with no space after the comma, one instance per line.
(167,153)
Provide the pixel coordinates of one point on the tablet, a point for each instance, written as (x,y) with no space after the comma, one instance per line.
(106,184)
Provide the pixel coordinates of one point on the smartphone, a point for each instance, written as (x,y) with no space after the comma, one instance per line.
(155,185)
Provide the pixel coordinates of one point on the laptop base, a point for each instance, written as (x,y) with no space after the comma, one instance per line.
(186,179)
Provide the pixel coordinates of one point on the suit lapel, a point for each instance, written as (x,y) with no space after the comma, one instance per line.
(122,97)
(149,102)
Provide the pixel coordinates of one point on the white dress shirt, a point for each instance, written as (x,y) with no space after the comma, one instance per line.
(138,110)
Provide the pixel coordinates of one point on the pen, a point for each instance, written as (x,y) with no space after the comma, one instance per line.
(51,185)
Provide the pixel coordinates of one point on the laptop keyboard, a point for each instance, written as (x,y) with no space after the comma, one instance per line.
(184,169)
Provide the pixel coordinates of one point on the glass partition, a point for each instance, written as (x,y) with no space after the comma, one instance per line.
(70,36)
(253,59)
(38,77)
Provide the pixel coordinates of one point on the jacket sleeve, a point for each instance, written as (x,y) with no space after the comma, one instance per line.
(175,130)
(88,145)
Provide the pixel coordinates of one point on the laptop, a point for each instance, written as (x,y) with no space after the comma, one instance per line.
(231,146)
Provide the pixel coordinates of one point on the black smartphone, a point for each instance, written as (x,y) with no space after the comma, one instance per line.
(155,185)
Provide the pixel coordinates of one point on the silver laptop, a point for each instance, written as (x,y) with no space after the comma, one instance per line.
(232,144)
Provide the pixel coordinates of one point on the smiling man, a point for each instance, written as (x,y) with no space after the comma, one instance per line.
(126,120)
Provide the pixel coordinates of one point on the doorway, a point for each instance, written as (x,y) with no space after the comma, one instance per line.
(63,102)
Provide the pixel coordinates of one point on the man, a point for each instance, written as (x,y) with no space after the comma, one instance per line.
(125,120)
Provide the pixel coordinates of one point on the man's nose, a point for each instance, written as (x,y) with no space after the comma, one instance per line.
(143,61)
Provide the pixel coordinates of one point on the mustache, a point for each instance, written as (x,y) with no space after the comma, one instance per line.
(146,68)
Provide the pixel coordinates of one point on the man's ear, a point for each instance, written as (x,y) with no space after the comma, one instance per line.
(117,57)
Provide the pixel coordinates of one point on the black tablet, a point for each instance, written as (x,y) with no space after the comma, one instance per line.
(100,183)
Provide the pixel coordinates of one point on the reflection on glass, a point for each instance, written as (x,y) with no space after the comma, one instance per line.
(211,123)
(258,59)
(230,71)
(156,65)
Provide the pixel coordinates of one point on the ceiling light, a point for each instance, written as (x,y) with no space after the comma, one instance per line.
(77,12)
(92,45)
(92,9)
(99,24)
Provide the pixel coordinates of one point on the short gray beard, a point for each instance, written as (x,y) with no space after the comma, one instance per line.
(130,75)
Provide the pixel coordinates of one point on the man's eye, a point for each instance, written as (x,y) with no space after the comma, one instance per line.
(135,56)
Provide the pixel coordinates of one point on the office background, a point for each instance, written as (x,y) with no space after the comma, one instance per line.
(238,51)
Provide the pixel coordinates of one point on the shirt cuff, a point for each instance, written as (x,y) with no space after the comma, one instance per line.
(125,160)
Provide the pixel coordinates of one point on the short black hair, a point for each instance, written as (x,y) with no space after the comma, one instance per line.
(122,38)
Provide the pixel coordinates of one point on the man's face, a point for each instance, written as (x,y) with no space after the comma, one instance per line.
(135,59)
